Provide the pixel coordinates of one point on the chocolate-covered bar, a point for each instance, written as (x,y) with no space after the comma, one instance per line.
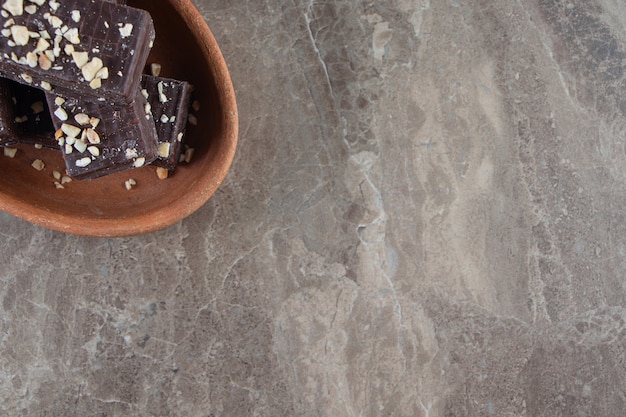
(169,101)
(99,138)
(93,48)
(8,129)
(31,115)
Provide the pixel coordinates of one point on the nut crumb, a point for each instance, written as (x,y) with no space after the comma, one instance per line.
(38,164)
(162,173)
(10,152)
(130,183)
(155,69)
(189,154)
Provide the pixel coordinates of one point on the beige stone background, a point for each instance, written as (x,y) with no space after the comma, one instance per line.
(425,218)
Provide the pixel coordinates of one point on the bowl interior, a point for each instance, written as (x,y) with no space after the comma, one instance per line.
(186,51)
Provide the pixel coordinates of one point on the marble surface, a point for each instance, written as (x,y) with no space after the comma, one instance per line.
(425,217)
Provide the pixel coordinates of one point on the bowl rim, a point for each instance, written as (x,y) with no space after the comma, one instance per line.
(202,189)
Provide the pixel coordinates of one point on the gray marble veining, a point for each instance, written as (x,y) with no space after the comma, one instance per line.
(425,217)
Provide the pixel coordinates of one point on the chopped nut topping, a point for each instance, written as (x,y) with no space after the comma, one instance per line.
(80,146)
(31,59)
(131,153)
(42,45)
(164,149)
(27,78)
(91,68)
(80,58)
(56,175)
(44,62)
(192,119)
(94,150)
(20,35)
(139,162)
(70,130)
(15,7)
(81,118)
(72,36)
(95,83)
(55,22)
(195,105)
(103,73)
(38,164)
(76,15)
(83,162)
(92,136)
(61,114)
(126,30)
(162,97)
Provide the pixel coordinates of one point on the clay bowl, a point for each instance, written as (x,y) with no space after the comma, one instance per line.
(103,207)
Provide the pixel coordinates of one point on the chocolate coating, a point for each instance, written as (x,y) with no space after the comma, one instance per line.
(169,100)
(119,36)
(126,135)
